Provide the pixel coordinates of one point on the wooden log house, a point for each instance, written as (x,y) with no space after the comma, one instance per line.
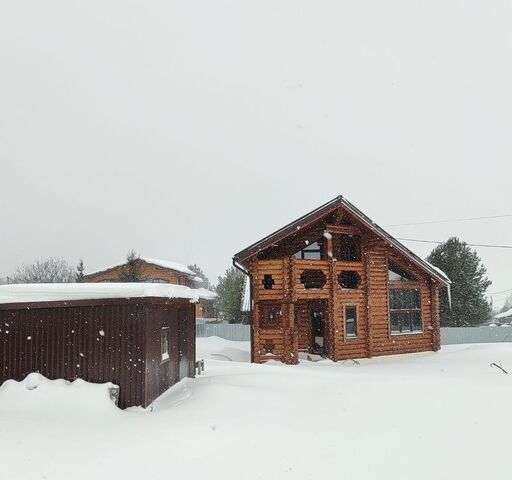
(336,284)
(161,271)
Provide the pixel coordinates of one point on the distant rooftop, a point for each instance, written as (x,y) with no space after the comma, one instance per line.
(170,265)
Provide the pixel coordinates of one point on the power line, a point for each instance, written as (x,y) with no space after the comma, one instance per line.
(499,293)
(486,245)
(450,221)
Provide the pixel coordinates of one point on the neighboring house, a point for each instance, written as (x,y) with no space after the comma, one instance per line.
(504,318)
(162,271)
(336,284)
(140,337)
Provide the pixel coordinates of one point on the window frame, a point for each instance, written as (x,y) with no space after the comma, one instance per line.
(350,337)
(163,359)
(400,285)
(308,249)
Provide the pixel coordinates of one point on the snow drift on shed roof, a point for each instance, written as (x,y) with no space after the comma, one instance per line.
(55,292)
(177,267)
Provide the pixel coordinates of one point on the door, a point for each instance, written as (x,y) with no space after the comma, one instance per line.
(318,333)
(183,347)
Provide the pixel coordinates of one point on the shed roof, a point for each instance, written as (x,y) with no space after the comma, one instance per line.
(55,292)
(326,209)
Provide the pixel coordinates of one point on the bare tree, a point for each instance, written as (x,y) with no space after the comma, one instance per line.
(50,270)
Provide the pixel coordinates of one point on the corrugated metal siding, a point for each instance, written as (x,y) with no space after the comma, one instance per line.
(66,343)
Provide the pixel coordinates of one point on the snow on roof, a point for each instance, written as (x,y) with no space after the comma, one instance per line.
(206,294)
(55,292)
(506,314)
(438,270)
(246,297)
(177,267)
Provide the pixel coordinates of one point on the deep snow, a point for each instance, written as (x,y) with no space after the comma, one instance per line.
(438,415)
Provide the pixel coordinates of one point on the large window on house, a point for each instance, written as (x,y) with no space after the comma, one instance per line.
(164,343)
(405,310)
(350,321)
(350,246)
(313,251)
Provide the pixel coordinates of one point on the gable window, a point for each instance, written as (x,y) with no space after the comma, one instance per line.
(405,310)
(164,343)
(312,251)
(397,274)
(350,321)
(350,248)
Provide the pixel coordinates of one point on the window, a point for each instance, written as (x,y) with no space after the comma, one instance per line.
(312,251)
(350,321)
(350,248)
(405,310)
(157,280)
(349,279)
(313,279)
(164,343)
(270,315)
(178,280)
(268,282)
(398,274)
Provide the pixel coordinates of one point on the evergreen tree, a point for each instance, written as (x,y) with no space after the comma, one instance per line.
(469,283)
(131,271)
(199,273)
(80,277)
(230,290)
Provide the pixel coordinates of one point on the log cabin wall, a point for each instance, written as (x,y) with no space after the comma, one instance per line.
(152,272)
(282,304)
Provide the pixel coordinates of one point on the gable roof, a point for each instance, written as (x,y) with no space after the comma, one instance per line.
(325,209)
(168,265)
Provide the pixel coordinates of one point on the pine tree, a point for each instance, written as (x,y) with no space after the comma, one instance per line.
(80,277)
(131,271)
(469,283)
(230,290)
(199,273)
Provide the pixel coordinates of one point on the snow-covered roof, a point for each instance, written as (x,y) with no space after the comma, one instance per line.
(170,265)
(55,292)
(178,267)
(206,294)
(438,270)
(506,314)
(246,297)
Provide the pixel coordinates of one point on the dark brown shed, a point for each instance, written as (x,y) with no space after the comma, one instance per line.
(138,336)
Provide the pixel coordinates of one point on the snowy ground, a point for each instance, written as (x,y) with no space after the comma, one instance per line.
(442,415)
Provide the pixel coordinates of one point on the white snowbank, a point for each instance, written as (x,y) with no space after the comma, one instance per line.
(422,416)
(37,392)
(46,292)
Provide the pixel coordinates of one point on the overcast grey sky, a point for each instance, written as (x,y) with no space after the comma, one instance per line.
(189,129)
